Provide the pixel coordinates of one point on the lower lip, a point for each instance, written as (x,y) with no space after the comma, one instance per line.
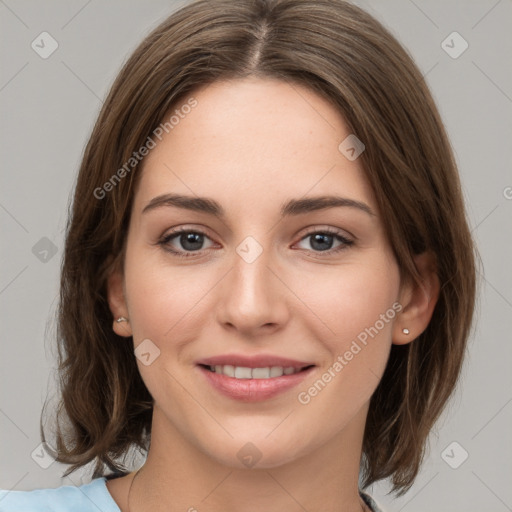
(253,390)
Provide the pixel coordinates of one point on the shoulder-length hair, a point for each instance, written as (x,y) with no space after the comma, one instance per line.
(345,55)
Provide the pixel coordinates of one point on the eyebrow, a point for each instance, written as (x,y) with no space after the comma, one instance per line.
(289,208)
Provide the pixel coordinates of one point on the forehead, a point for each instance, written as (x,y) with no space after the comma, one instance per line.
(251,141)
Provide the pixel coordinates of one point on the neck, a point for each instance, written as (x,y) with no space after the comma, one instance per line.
(178,476)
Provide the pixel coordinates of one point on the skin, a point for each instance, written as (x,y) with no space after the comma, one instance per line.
(251,145)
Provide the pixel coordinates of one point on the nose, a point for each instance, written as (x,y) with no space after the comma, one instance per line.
(252,298)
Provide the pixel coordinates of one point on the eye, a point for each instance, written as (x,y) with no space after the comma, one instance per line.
(322,241)
(183,242)
(190,241)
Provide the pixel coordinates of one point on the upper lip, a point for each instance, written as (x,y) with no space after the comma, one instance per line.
(259,361)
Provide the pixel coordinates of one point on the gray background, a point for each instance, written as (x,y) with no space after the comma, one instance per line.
(48,107)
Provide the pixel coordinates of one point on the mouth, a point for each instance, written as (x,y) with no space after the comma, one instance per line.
(245,372)
(253,382)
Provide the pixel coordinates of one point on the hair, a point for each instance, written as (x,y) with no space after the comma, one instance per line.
(346,56)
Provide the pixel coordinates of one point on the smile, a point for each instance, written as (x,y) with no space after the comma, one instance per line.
(257,384)
(243,372)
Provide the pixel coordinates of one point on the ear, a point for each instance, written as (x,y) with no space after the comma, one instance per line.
(117,302)
(418,301)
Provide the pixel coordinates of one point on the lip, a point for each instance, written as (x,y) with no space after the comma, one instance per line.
(259,361)
(253,390)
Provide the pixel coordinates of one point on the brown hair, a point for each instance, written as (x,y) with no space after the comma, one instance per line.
(343,54)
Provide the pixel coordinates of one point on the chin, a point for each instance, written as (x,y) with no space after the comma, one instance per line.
(258,452)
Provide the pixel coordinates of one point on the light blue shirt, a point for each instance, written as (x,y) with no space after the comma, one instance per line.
(92,497)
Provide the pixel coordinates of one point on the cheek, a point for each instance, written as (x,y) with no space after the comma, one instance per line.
(162,297)
(360,307)
(165,307)
(354,311)
(352,297)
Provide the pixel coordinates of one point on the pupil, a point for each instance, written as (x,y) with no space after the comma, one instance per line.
(319,237)
(191,238)
(194,241)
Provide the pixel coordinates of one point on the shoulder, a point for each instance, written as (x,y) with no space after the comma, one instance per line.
(91,497)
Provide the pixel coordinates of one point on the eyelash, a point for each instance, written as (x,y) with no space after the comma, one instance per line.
(346,243)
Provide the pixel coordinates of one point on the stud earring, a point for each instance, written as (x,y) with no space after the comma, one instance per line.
(121,319)
(406,331)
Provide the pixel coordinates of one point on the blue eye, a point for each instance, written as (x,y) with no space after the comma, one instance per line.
(322,241)
(191,242)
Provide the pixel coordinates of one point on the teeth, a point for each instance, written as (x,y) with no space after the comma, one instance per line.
(226,370)
(242,372)
(276,371)
(260,373)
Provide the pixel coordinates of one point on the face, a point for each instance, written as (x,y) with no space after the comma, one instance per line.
(261,277)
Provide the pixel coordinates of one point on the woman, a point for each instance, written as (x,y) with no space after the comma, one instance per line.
(268,280)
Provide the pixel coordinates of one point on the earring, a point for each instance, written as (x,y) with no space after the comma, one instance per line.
(121,319)
(405,331)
